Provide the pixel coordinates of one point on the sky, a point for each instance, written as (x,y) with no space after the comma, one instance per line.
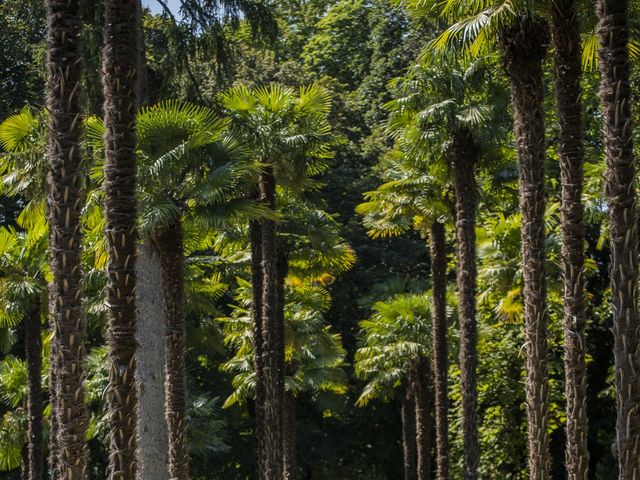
(156,8)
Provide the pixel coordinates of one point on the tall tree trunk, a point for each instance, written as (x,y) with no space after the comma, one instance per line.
(616,98)
(121,37)
(33,350)
(464,154)
(153,442)
(65,203)
(440,351)
(290,438)
(269,339)
(170,247)
(408,416)
(53,369)
(568,73)
(525,46)
(422,397)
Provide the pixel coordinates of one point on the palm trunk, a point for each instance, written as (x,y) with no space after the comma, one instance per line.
(525,47)
(440,354)
(568,73)
(120,85)
(33,350)
(153,442)
(66,200)
(290,438)
(53,369)
(269,344)
(616,98)
(464,157)
(170,247)
(423,419)
(408,414)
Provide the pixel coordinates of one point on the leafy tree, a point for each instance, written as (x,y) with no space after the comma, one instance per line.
(314,356)
(288,133)
(23,298)
(396,344)
(520,34)
(412,198)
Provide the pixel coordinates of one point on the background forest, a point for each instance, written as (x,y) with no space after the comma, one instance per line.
(356,222)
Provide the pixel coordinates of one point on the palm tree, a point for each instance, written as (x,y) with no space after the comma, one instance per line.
(314,252)
(23,297)
(520,33)
(65,202)
(288,134)
(396,341)
(189,170)
(615,97)
(121,36)
(314,362)
(412,198)
(568,73)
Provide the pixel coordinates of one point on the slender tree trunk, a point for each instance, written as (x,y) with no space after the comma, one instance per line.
(408,414)
(616,98)
(33,348)
(464,157)
(65,203)
(121,36)
(290,438)
(153,442)
(423,419)
(170,247)
(525,49)
(53,369)
(269,340)
(568,73)
(440,351)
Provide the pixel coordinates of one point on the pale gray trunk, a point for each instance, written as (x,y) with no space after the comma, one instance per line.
(153,443)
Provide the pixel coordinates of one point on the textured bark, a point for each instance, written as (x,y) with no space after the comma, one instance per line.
(65,201)
(525,46)
(169,245)
(616,98)
(269,339)
(568,74)
(153,442)
(290,438)
(408,414)
(120,68)
(440,350)
(464,154)
(422,395)
(53,369)
(33,350)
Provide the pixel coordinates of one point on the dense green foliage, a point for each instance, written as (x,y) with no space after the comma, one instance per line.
(355,201)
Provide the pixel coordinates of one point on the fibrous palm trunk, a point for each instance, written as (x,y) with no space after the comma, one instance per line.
(616,98)
(440,351)
(290,438)
(33,350)
(422,395)
(120,86)
(268,337)
(464,158)
(169,244)
(65,203)
(568,73)
(408,416)
(525,46)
